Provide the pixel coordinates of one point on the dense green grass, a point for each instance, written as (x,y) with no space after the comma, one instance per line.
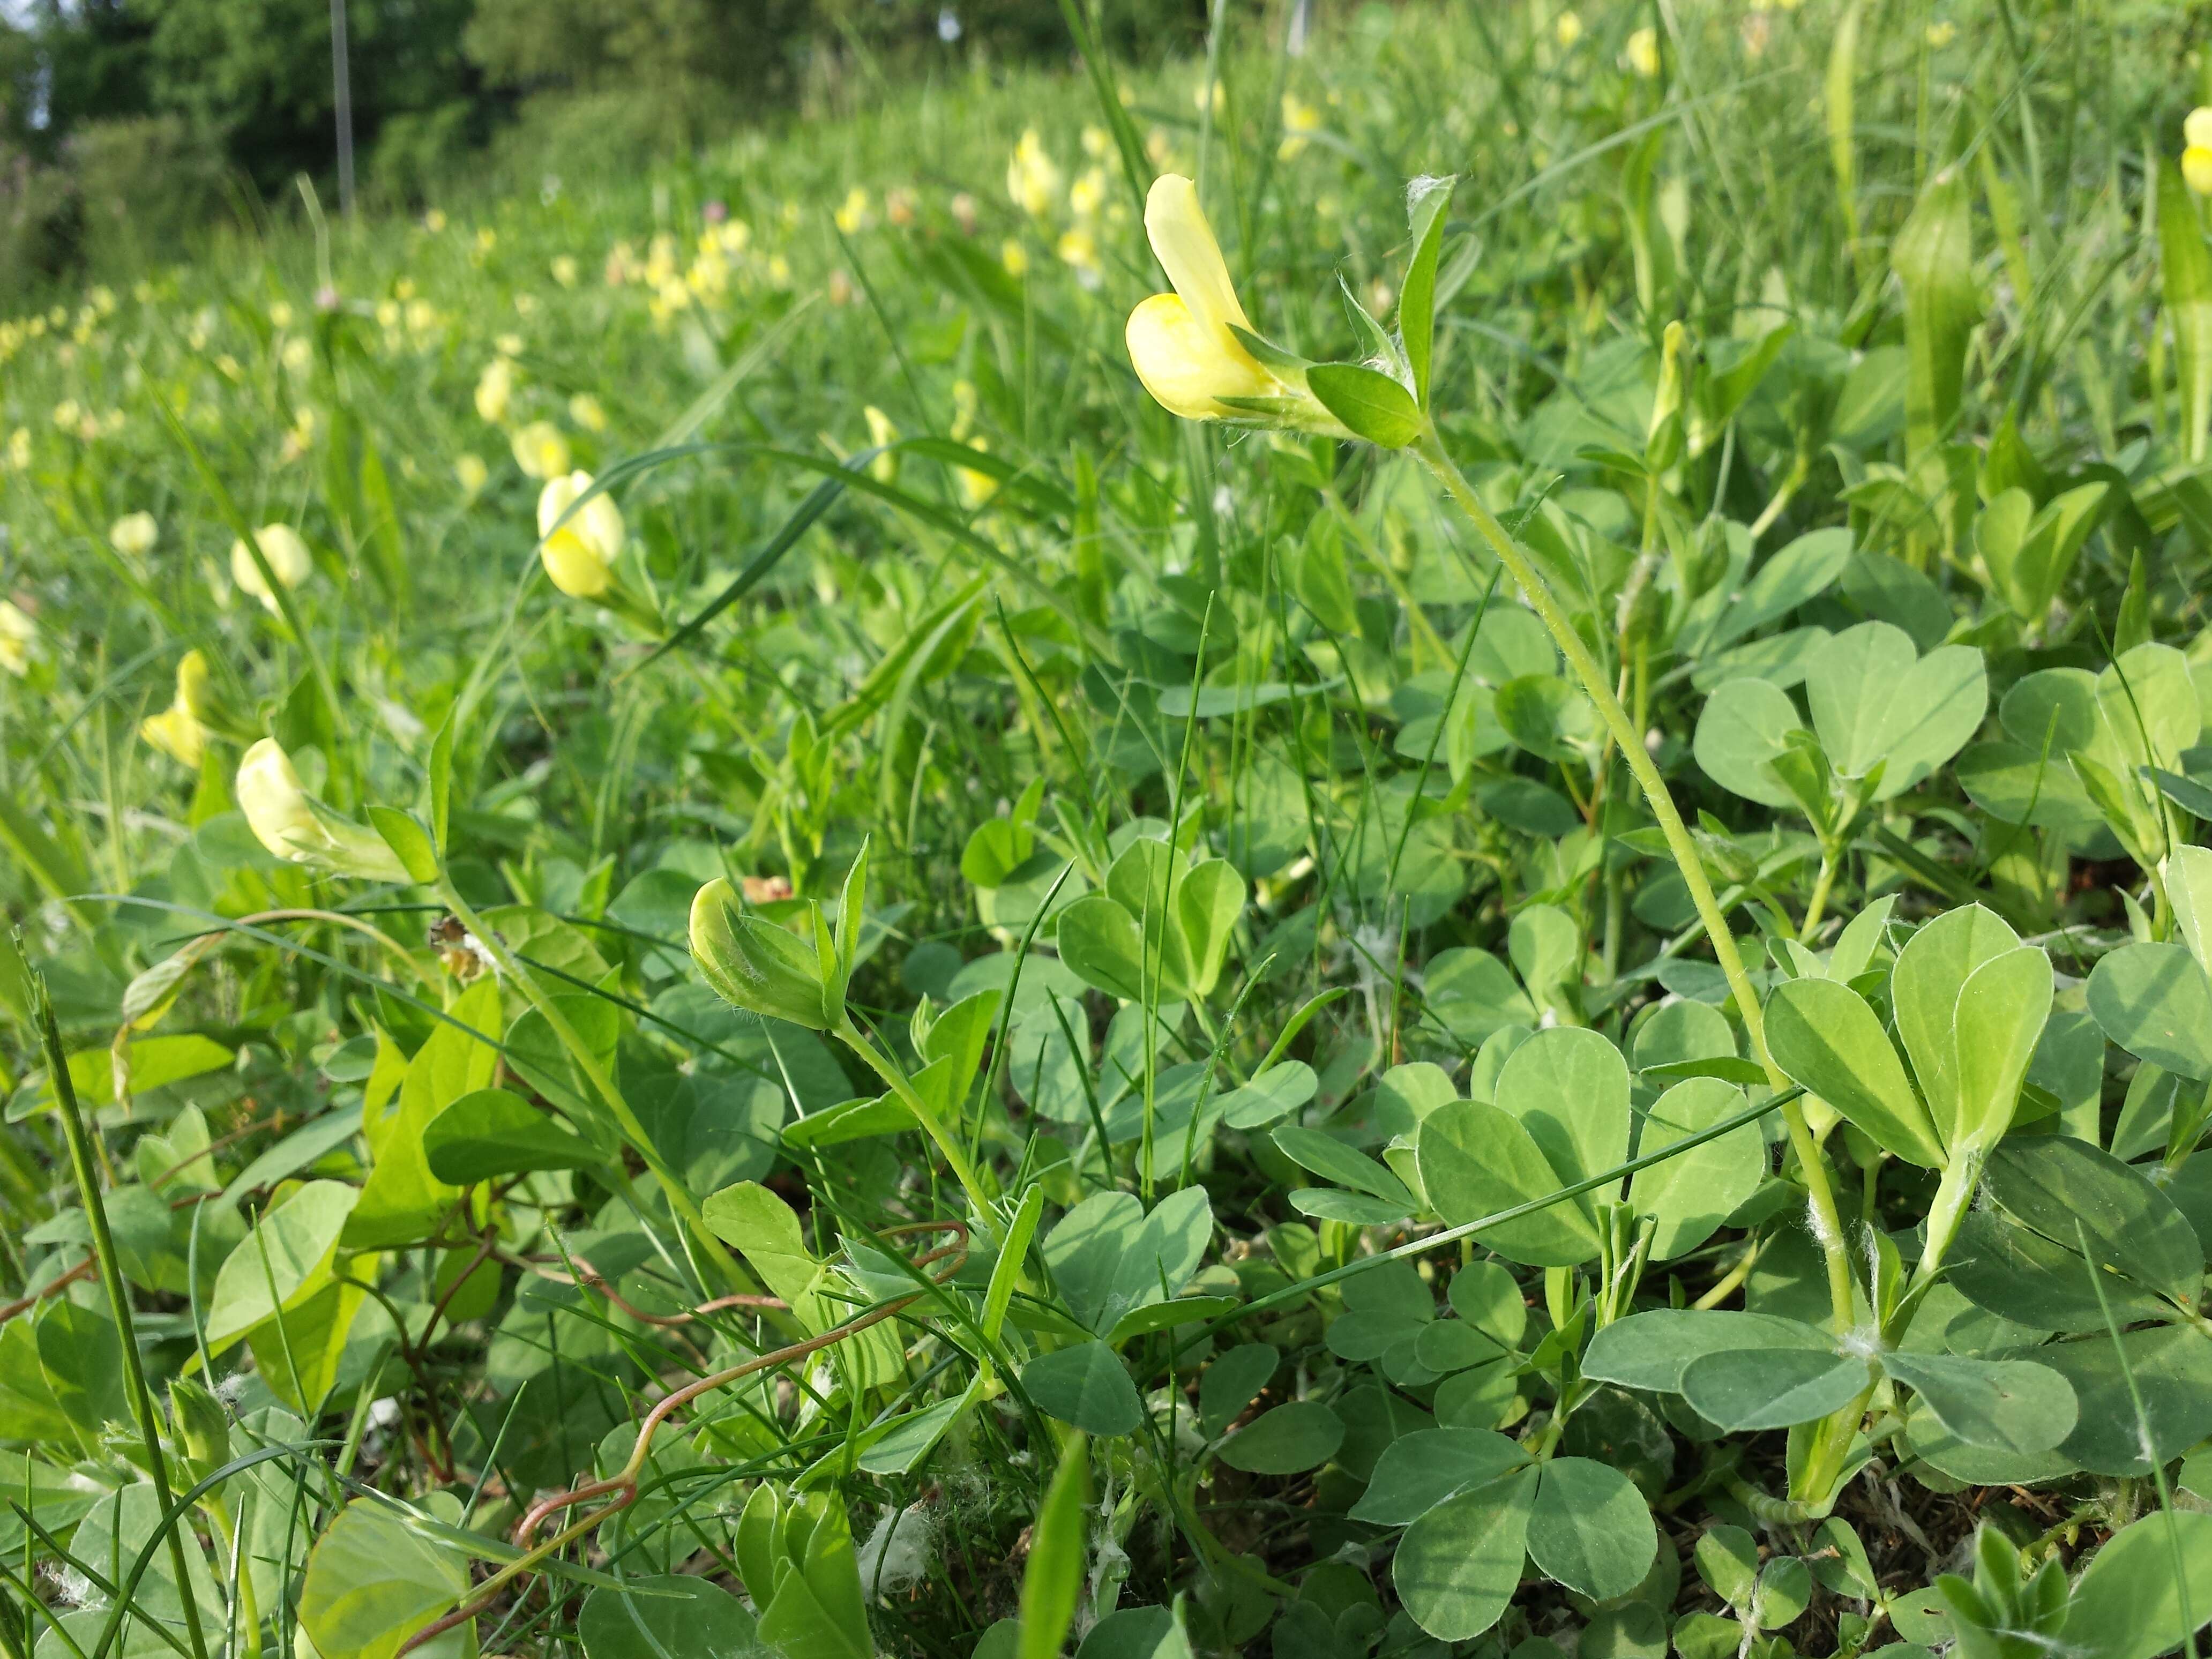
(1253,887)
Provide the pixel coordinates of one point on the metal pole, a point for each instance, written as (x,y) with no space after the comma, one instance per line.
(342,82)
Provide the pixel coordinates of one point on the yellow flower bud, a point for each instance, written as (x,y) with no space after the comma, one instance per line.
(540,450)
(134,534)
(1643,53)
(286,821)
(580,555)
(2197,128)
(2197,168)
(18,632)
(852,214)
(1014,257)
(1180,342)
(470,472)
(177,731)
(286,556)
(1568,29)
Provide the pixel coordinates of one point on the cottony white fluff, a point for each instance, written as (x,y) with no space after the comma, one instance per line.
(897,1553)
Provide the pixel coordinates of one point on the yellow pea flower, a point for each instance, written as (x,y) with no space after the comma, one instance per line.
(134,534)
(177,731)
(1642,52)
(881,433)
(1568,29)
(587,412)
(496,390)
(286,556)
(18,634)
(540,450)
(1032,177)
(2197,128)
(853,215)
(1300,118)
(289,824)
(579,556)
(1180,343)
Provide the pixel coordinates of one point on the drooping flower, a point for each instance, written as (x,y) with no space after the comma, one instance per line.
(285,555)
(1181,343)
(2197,158)
(18,634)
(580,555)
(882,434)
(1032,177)
(540,450)
(286,821)
(176,731)
(587,412)
(1300,121)
(134,534)
(496,390)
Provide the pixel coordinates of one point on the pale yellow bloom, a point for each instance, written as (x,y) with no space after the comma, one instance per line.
(472,473)
(540,450)
(1181,343)
(508,345)
(579,556)
(1210,97)
(1098,143)
(297,355)
(19,448)
(585,411)
(1300,119)
(852,214)
(1088,193)
(1941,35)
(134,534)
(975,488)
(1078,247)
(288,559)
(1642,53)
(2197,168)
(1032,177)
(1014,257)
(422,316)
(2197,128)
(487,239)
(881,434)
(434,221)
(496,390)
(283,820)
(1568,29)
(565,270)
(18,634)
(177,731)
(280,315)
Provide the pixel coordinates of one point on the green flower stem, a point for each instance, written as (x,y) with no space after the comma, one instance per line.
(118,1296)
(1828,1221)
(679,1196)
(1818,905)
(947,1143)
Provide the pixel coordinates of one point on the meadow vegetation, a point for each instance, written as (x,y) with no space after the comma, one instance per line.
(1380,846)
